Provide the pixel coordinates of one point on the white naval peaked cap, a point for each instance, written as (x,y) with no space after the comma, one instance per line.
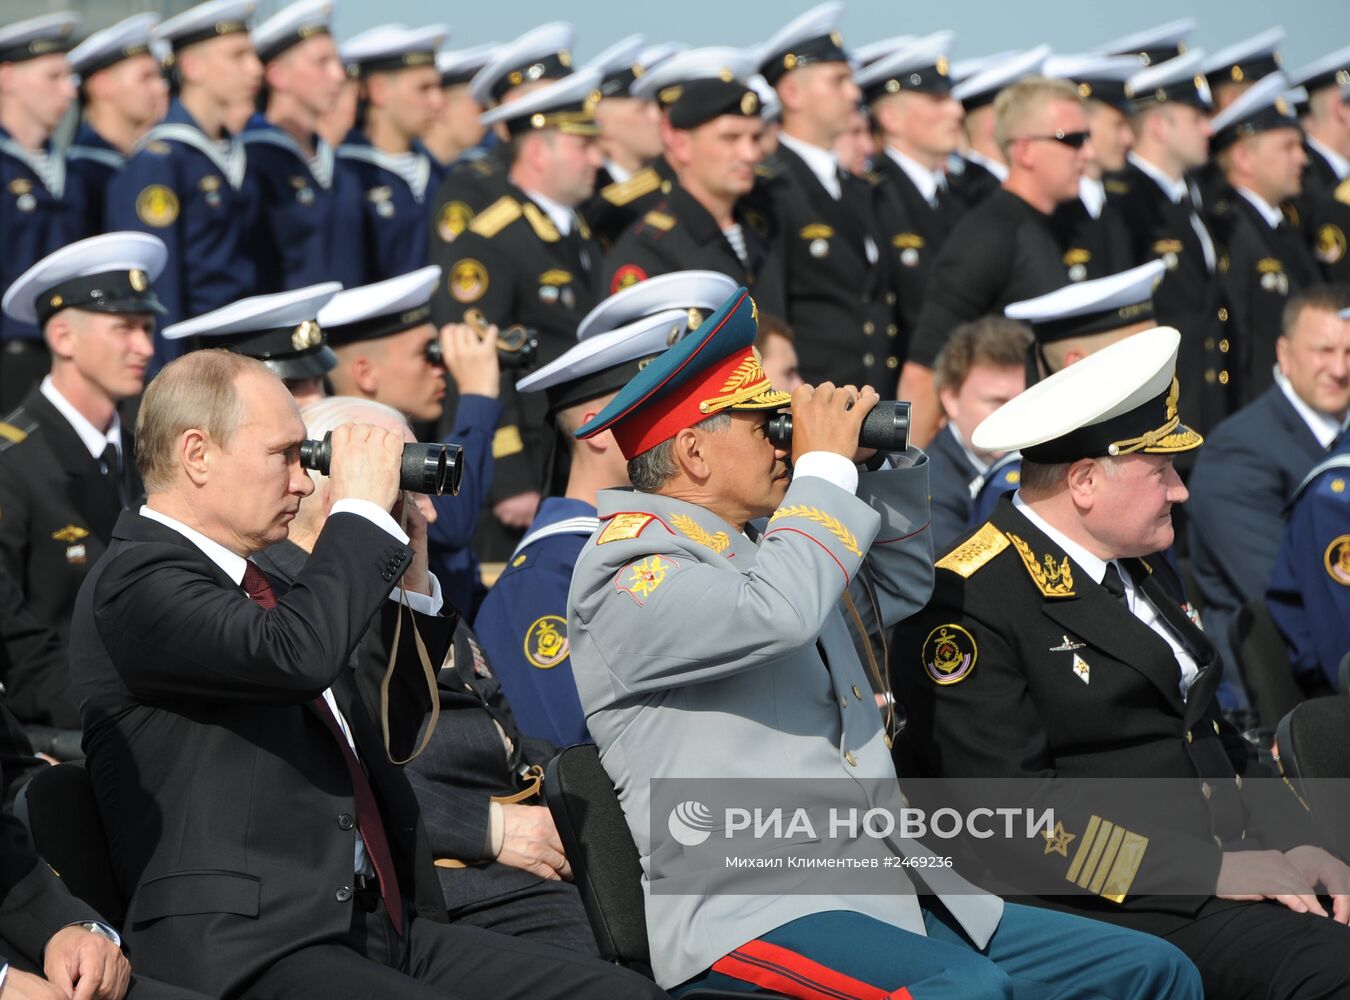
(1165,40)
(38,36)
(1259,108)
(703,291)
(1330,71)
(1094,306)
(459,65)
(807,38)
(770,107)
(1247,60)
(1176,79)
(567,104)
(206,20)
(964,69)
(713,62)
(257,312)
(129,260)
(123,40)
(393,47)
(1090,66)
(981,89)
(920,65)
(292,25)
(866,55)
(605,362)
(381,309)
(618,66)
(542,53)
(1120,400)
(654,55)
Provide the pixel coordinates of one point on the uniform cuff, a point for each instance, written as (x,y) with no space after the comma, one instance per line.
(373,513)
(426,604)
(829,466)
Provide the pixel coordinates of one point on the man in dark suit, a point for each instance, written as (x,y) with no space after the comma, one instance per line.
(1255,460)
(303,865)
(65,459)
(1057,649)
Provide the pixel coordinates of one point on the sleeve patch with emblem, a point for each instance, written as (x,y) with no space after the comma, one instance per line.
(1329,244)
(1337,560)
(626,276)
(949,654)
(622,527)
(468,280)
(546,642)
(1107,859)
(157,206)
(639,580)
(453,220)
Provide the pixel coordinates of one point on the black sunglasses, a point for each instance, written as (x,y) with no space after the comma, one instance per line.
(1074,140)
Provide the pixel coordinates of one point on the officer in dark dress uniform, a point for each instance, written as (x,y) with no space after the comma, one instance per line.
(187,182)
(706,221)
(66,462)
(1054,650)
(290,165)
(1229,73)
(41,203)
(1265,254)
(1160,206)
(1325,202)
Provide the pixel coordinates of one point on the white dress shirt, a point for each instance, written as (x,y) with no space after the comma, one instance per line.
(1092,193)
(563,217)
(929,182)
(617,172)
(1139,604)
(1267,211)
(1325,427)
(92,438)
(1177,189)
(999,170)
(822,162)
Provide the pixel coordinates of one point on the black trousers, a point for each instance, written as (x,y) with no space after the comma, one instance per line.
(548,912)
(434,961)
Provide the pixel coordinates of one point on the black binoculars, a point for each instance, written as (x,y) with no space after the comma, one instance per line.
(434,469)
(885,428)
(517,346)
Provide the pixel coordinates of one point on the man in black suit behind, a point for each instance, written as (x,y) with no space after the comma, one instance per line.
(266,843)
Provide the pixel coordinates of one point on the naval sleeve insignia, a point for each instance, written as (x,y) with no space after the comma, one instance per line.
(546,642)
(157,206)
(974,552)
(468,280)
(949,654)
(1337,560)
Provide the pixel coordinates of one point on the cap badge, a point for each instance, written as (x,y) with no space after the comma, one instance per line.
(306,335)
(137,279)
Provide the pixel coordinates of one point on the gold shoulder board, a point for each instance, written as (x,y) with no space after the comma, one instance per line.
(622,527)
(645,181)
(496,217)
(974,552)
(659,220)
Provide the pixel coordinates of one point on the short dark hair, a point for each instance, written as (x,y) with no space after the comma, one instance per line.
(772,326)
(990,340)
(1323,298)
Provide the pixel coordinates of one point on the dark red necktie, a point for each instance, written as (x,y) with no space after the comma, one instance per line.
(368,819)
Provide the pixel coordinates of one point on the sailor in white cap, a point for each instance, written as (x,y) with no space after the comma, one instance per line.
(68,466)
(291,166)
(456,131)
(1325,204)
(699,218)
(187,181)
(122,94)
(1232,70)
(918,121)
(529,259)
(41,208)
(1162,209)
(523,620)
(697,292)
(1059,641)
(385,176)
(1154,45)
(981,167)
(1258,146)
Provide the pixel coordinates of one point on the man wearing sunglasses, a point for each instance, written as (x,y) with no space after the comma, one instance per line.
(1004,250)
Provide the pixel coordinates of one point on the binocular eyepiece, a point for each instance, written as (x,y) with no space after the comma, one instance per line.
(434,469)
(517,346)
(885,428)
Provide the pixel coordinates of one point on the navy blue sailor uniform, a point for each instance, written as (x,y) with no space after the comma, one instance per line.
(381,210)
(296,238)
(94,160)
(196,196)
(523,623)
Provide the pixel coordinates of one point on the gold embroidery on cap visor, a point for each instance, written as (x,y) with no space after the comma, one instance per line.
(746,388)
(1172,437)
(571,122)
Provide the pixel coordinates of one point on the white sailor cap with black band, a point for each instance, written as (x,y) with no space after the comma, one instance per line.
(392,47)
(980,90)
(567,105)
(542,53)
(770,107)
(1330,71)
(381,309)
(124,40)
(1259,108)
(655,54)
(213,19)
(290,26)
(964,69)
(810,38)
(664,83)
(605,362)
(1090,307)
(46,35)
(110,273)
(280,329)
(922,66)
(1122,400)
(866,55)
(1246,61)
(618,66)
(1177,80)
(699,293)
(458,67)
(1153,45)
(1097,77)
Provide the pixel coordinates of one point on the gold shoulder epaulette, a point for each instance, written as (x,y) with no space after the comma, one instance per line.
(974,552)
(1117,187)
(622,527)
(659,220)
(764,170)
(11,435)
(645,181)
(496,217)
(541,224)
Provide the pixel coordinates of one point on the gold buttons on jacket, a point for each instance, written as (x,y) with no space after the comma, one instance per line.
(857,692)
(852,760)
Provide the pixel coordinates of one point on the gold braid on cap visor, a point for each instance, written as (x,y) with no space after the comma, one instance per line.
(1170,438)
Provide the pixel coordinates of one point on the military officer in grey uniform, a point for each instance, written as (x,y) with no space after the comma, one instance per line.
(706,643)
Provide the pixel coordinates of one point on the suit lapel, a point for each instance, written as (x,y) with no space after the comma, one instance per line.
(1195,642)
(835,212)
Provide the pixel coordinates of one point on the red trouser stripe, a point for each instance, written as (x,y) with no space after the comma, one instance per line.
(775,968)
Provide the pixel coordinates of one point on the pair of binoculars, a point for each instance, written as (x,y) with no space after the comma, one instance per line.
(434,469)
(885,428)
(517,345)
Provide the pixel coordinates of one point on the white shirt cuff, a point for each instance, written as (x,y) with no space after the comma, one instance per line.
(371,512)
(426,604)
(829,466)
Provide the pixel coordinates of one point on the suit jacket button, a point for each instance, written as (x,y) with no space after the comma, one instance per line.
(1215,724)
(1205,790)
(388,575)
(852,760)
(1189,736)
(1238,779)
(857,692)
(345,821)
(344,894)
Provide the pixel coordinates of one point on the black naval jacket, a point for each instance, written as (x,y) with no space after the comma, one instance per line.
(839,304)
(616,205)
(679,234)
(1261,267)
(1189,298)
(514,265)
(57,511)
(973,183)
(1326,220)
(913,232)
(469,185)
(1093,247)
(1012,600)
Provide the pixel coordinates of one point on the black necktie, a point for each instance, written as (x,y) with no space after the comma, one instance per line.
(111,463)
(1114,584)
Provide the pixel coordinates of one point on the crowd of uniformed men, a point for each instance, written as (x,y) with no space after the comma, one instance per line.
(486,244)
